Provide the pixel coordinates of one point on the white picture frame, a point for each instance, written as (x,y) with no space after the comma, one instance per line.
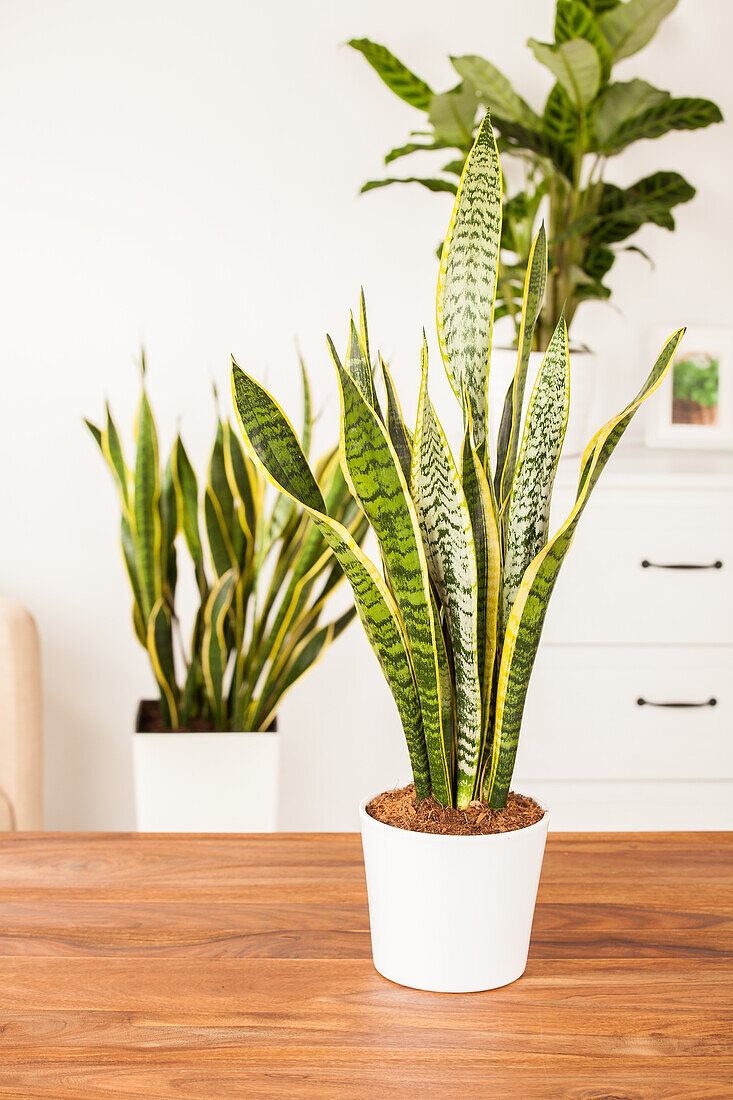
(694,405)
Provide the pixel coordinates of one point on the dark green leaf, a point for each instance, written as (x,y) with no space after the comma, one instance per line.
(669,114)
(431,184)
(395,75)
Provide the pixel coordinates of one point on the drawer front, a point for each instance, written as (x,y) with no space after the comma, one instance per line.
(616,585)
(583,719)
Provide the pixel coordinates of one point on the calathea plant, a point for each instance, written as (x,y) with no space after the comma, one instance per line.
(563,150)
(263,573)
(456,615)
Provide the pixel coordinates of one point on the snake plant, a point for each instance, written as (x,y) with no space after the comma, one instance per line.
(455,614)
(563,151)
(263,573)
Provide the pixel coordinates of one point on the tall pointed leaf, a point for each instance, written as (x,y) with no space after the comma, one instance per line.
(159,643)
(184,479)
(468,277)
(398,432)
(276,452)
(524,625)
(168,530)
(112,448)
(146,518)
(372,468)
(445,524)
(358,366)
(528,510)
(508,441)
(214,648)
(487,544)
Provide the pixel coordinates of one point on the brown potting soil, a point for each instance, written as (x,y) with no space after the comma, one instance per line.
(150,720)
(401,809)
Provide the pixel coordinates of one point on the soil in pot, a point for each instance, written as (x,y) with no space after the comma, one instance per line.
(400,809)
(150,720)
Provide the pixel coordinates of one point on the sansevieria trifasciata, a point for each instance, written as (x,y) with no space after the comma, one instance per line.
(454,610)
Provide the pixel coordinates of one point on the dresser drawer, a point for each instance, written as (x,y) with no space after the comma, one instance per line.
(615,585)
(583,719)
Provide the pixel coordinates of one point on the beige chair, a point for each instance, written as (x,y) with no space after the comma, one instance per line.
(21,745)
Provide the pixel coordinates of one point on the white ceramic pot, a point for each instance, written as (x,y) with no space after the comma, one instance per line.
(206,782)
(451,914)
(582,390)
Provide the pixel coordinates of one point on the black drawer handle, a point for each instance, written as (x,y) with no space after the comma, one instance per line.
(682,565)
(648,703)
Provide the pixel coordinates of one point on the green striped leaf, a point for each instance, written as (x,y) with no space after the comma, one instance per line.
(275,450)
(445,524)
(560,118)
(214,648)
(108,442)
(186,486)
(487,545)
(687,113)
(528,509)
(508,441)
(218,480)
(221,548)
(358,366)
(574,64)
(145,515)
(129,555)
(468,277)
(494,90)
(159,640)
(524,625)
(242,481)
(412,147)
(430,184)
(453,115)
(628,27)
(306,654)
(112,449)
(395,75)
(168,530)
(373,471)
(283,514)
(573,19)
(621,101)
(398,433)
(517,137)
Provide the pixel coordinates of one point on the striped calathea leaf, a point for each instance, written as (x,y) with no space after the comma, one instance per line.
(263,572)
(467,564)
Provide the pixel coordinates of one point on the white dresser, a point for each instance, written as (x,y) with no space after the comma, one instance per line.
(629,718)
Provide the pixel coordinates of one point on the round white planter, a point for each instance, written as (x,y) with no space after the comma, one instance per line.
(451,914)
(582,390)
(206,782)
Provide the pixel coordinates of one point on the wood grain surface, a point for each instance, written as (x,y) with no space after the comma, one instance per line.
(225,966)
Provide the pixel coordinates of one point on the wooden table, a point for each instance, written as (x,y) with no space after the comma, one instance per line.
(219,966)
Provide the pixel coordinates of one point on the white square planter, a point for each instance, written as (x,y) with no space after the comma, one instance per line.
(206,782)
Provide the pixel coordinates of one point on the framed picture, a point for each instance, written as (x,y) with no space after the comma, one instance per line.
(694,407)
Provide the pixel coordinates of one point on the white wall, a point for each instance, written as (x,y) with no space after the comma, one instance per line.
(184,175)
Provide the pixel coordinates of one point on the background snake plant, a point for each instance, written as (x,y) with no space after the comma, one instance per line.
(456,611)
(263,573)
